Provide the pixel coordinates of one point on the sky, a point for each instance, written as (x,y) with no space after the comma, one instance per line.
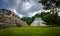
(23,8)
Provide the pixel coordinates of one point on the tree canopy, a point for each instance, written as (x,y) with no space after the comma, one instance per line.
(53,6)
(48,4)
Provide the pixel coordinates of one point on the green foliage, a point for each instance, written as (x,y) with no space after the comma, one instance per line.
(30,31)
(50,19)
(36,16)
(58,20)
(47,17)
(28,20)
(50,3)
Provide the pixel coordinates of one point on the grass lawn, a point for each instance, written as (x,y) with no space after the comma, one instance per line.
(30,31)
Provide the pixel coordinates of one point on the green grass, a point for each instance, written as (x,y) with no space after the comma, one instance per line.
(30,31)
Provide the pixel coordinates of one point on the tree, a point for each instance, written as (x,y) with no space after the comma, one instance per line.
(53,6)
(48,4)
(48,18)
(28,20)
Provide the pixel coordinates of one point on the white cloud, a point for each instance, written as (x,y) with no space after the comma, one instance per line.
(30,7)
(17,2)
(32,14)
(6,1)
(32,2)
(20,15)
(35,12)
(26,6)
(59,14)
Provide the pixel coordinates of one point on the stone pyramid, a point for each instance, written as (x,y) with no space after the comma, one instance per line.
(38,22)
(10,19)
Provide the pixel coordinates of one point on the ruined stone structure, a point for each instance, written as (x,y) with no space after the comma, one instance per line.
(7,13)
(38,22)
(10,19)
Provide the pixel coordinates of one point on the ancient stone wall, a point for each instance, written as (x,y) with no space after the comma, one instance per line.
(9,18)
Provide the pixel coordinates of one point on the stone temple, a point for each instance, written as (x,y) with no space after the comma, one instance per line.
(38,22)
(10,19)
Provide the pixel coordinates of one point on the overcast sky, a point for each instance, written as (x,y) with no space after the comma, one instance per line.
(24,8)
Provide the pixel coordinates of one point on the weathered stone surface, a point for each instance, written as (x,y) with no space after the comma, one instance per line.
(7,25)
(38,22)
(10,19)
